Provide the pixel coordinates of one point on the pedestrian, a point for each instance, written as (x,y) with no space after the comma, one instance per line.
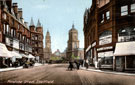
(70,67)
(78,66)
(86,64)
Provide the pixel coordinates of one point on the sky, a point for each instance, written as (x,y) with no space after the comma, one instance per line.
(57,16)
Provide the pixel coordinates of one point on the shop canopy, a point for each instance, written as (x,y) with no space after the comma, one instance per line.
(31,56)
(16,55)
(88,48)
(4,51)
(124,49)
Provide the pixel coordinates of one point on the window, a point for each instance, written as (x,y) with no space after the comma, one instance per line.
(132,8)
(7,28)
(124,10)
(4,28)
(108,15)
(18,26)
(4,16)
(126,34)
(102,18)
(36,37)
(12,32)
(23,37)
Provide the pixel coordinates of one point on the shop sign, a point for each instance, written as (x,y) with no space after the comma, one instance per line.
(105,54)
(104,48)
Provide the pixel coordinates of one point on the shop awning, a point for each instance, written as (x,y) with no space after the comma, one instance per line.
(31,56)
(23,55)
(16,55)
(88,48)
(124,49)
(4,51)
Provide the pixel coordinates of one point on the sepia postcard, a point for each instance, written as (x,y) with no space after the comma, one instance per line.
(67,42)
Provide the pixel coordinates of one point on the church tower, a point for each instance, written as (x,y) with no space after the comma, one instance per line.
(47,49)
(73,42)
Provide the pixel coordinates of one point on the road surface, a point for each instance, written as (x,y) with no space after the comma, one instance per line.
(59,75)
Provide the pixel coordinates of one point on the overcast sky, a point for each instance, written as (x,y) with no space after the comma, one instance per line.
(57,16)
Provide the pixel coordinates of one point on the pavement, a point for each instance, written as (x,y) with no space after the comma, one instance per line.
(107,71)
(17,68)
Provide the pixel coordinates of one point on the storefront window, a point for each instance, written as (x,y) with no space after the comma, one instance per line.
(124,10)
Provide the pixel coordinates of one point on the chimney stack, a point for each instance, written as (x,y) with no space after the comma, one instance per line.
(15,7)
(20,12)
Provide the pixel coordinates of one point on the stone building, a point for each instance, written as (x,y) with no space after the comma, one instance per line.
(73,44)
(14,31)
(47,49)
(108,26)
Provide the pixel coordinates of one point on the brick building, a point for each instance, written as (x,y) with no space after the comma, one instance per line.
(108,25)
(14,32)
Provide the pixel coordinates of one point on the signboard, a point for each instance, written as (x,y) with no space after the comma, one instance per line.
(105,54)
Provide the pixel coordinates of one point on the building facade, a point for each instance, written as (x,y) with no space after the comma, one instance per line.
(47,49)
(73,44)
(37,40)
(14,32)
(107,23)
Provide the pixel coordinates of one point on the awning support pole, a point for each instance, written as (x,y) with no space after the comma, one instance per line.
(114,63)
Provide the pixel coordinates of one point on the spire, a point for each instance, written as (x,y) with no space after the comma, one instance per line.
(73,25)
(48,33)
(39,24)
(31,22)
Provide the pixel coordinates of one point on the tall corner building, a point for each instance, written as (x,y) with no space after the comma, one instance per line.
(109,34)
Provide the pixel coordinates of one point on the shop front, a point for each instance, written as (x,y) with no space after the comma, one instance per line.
(5,56)
(124,56)
(105,60)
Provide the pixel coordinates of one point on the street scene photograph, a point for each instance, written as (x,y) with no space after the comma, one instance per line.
(67,42)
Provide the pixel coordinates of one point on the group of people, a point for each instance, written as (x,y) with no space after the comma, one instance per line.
(5,63)
(76,64)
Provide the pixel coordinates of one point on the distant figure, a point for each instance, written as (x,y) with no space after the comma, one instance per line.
(70,67)
(86,64)
(77,65)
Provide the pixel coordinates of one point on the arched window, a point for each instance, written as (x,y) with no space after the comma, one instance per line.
(126,34)
(105,37)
